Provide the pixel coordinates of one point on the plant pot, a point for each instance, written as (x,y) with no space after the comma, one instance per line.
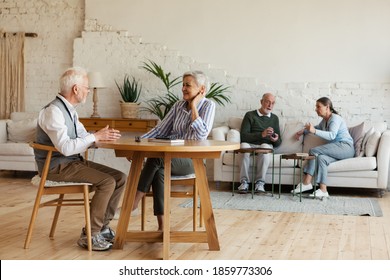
(129,110)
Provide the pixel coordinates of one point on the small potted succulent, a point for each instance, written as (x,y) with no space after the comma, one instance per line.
(130,91)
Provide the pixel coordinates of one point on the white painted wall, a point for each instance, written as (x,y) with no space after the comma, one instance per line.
(272,40)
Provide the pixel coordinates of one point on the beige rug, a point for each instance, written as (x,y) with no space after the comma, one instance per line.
(334,205)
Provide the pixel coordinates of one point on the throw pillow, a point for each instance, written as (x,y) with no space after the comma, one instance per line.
(289,143)
(311,140)
(22,131)
(365,139)
(357,133)
(233,135)
(372,144)
(235,123)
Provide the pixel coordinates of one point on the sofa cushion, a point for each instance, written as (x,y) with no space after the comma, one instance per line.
(16,149)
(357,133)
(378,126)
(233,135)
(353,164)
(3,131)
(235,123)
(18,116)
(289,143)
(365,139)
(372,144)
(311,140)
(22,131)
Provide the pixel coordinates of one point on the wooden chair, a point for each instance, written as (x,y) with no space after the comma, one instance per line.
(58,188)
(188,180)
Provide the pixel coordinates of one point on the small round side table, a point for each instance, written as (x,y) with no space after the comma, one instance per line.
(298,158)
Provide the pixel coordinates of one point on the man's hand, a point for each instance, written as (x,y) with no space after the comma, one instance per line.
(267,132)
(274,137)
(107,134)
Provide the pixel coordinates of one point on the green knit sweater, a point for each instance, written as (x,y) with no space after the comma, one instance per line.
(252,126)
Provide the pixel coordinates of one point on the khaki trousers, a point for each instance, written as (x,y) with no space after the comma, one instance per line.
(107,183)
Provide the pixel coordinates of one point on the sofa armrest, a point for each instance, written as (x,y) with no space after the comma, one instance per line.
(220,133)
(3,131)
(383,159)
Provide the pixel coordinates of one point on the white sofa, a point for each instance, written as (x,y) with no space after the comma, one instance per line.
(368,169)
(15,135)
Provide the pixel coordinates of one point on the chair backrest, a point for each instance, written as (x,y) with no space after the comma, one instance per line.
(46,166)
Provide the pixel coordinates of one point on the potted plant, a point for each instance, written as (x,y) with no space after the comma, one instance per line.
(130,91)
(160,105)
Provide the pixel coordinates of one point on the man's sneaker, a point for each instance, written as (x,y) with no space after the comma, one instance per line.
(259,186)
(108,234)
(319,194)
(98,242)
(243,188)
(305,188)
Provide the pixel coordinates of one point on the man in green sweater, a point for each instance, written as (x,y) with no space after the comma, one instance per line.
(259,129)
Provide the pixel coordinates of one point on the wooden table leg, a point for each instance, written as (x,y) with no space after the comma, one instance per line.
(204,193)
(128,199)
(167,206)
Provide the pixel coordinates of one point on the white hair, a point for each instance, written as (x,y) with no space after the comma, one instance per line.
(200,79)
(72,76)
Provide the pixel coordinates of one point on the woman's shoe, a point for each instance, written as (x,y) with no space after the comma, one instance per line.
(319,194)
(305,188)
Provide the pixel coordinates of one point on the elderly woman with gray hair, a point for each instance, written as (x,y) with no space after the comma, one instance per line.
(190,119)
(340,146)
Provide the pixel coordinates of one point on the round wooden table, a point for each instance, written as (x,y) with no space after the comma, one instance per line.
(194,149)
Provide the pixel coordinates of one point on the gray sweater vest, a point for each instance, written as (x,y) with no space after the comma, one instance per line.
(43,138)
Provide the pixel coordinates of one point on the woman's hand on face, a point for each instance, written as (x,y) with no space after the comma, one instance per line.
(195,101)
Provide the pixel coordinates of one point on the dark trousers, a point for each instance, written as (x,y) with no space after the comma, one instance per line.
(152,175)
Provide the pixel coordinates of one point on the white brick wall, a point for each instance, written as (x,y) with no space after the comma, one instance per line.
(65,38)
(57,23)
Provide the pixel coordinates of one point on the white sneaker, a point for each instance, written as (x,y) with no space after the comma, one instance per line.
(134,213)
(305,188)
(243,188)
(319,194)
(259,186)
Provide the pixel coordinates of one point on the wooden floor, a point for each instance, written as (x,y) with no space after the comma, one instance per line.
(245,235)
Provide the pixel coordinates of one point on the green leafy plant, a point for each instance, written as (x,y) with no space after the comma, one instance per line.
(217,93)
(130,90)
(161,105)
(157,71)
